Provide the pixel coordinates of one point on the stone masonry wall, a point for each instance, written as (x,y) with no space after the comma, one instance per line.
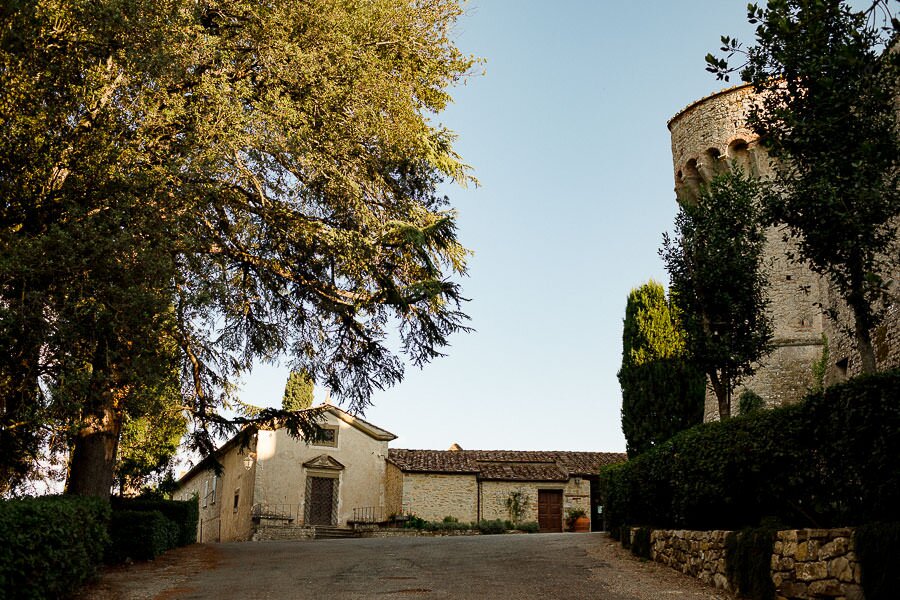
(708,137)
(432,496)
(806,563)
(816,563)
(700,554)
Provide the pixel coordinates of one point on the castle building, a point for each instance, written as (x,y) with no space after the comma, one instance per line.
(708,137)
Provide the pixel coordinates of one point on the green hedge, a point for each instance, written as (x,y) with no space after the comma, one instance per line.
(140,535)
(50,545)
(184,513)
(828,461)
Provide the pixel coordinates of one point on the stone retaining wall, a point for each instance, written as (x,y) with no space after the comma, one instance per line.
(806,563)
(700,554)
(283,532)
(816,563)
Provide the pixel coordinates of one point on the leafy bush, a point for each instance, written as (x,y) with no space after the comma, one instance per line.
(750,402)
(748,558)
(487,527)
(184,513)
(140,535)
(640,542)
(50,545)
(876,546)
(414,522)
(529,527)
(828,461)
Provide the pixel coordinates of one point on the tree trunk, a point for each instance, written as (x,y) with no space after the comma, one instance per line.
(862,325)
(93,461)
(723,396)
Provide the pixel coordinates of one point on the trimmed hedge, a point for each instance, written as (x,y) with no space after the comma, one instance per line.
(50,545)
(830,461)
(140,535)
(184,513)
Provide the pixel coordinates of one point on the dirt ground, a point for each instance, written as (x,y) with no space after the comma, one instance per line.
(544,566)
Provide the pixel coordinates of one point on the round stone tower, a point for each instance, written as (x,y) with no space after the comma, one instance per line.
(708,137)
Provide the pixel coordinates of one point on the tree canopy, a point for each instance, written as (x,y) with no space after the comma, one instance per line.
(298,391)
(203,185)
(662,392)
(717,281)
(826,111)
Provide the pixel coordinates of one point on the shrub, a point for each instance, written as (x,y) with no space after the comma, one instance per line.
(748,562)
(414,522)
(529,527)
(750,402)
(50,545)
(184,513)
(640,542)
(140,535)
(828,461)
(876,546)
(491,527)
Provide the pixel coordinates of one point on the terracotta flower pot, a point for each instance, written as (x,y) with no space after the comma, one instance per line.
(582,525)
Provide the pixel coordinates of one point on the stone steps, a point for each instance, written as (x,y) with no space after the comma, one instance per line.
(334,533)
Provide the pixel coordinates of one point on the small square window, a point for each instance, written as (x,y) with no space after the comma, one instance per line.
(327,436)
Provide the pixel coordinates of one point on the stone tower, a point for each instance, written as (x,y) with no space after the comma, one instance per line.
(707,138)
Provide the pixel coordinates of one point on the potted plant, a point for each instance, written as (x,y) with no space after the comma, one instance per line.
(577,520)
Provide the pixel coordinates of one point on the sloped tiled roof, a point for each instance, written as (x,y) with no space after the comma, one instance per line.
(505,465)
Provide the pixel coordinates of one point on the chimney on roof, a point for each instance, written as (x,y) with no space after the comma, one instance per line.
(455,447)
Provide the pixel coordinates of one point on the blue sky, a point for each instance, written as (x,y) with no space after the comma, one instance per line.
(566,130)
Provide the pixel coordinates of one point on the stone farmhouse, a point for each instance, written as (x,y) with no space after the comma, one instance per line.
(350,477)
(708,137)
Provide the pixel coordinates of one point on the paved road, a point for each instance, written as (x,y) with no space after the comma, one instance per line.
(545,566)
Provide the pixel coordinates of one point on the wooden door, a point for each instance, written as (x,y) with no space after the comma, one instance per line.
(550,510)
(320,500)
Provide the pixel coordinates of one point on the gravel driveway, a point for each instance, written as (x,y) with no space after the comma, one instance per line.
(544,566)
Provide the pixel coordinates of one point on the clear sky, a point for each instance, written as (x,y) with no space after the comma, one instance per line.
(566,130)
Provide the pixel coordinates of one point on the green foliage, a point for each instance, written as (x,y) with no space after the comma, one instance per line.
(414,522)
(298,391)
(662,393)
(183,513)
(820,367)
(50,545)
(827,114)
(529,527)
(517,505)
(750,402)
(189,189)
(876,547)
(491,527)
(640,542)
(828,461)
(148,443)
(748,562)
(140,535)
(714,264)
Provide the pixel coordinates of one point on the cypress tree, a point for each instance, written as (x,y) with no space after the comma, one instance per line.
(298,391)
(662,393)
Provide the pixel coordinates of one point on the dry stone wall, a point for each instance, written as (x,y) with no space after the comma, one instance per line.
(816,563)
(700,554)
(806,563)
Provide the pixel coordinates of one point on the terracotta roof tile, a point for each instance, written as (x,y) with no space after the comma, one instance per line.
(505,465)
